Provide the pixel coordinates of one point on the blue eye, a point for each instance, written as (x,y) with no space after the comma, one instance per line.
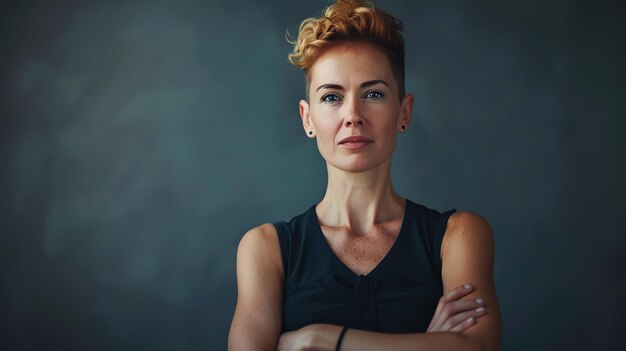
(374,94)
(330,97)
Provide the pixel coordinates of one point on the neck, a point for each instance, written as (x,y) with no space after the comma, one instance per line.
(360,201)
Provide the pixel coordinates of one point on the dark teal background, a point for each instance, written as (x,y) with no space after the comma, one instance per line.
(140,140)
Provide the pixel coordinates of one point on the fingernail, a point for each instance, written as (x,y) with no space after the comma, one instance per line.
(467,286)
(470,319)
(480,309)
(479,301)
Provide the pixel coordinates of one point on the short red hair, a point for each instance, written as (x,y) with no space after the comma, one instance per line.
(350,21)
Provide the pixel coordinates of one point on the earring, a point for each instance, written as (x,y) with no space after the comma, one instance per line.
(310,132)
(403,127)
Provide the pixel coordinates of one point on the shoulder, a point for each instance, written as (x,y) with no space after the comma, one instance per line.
(260,235)
(257,320)
(467,230)
(261,244)
(465,221)
(468,257)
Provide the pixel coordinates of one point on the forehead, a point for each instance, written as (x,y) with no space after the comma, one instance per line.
(347,63)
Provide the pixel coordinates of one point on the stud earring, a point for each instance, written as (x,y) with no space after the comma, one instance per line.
(403,127)
(310,132)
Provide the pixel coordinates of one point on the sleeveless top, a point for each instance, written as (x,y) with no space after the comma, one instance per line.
(398,296)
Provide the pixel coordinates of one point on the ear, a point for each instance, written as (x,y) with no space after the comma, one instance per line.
(306,119)
(406,110)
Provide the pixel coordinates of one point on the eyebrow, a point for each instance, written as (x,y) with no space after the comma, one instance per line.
(364,85)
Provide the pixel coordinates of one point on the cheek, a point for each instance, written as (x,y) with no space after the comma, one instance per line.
(385,122)
(326,125)
(326,134)
(386,130)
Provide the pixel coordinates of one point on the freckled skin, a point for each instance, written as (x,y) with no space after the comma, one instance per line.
(349,108)
(378,119)
(362,254)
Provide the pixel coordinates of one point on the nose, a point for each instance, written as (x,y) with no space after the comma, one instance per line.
(352,114)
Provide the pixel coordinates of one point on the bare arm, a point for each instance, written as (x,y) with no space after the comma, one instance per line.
(324,337)
(467,254)
(258,315)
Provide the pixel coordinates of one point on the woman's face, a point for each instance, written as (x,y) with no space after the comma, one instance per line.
(353,92)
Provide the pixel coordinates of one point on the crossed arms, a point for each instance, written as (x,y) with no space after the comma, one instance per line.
(467,254)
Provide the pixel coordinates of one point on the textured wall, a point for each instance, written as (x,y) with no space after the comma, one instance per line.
(140,140)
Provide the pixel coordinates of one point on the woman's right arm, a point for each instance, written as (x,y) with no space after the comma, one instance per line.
(257,321)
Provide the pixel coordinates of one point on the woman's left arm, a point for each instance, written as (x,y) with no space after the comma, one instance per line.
(467,254)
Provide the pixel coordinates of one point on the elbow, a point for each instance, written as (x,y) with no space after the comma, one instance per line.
(239,347)
(482,345)
(475,344)
(241,343)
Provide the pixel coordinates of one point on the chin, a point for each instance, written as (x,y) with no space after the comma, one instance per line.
(356,166)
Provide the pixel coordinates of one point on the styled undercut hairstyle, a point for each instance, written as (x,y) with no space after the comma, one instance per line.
(349,21)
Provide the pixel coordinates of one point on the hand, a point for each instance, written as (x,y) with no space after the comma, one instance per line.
(291,341)
(311,337)
(456,315)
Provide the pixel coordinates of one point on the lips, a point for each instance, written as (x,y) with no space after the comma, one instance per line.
(355,139)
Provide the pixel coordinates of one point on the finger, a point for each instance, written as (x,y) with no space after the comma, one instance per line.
(455,307)
(453,294)
(466,324)
(451,309)
(439,316)
(459,292)
(461,317)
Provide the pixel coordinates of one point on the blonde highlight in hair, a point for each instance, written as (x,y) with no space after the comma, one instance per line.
(350,21)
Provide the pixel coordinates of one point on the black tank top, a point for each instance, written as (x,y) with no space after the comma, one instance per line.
(398,296)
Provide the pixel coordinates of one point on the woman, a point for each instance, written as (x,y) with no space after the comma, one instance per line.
(364,269)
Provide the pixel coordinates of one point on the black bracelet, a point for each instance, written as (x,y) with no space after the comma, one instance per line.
(341,335)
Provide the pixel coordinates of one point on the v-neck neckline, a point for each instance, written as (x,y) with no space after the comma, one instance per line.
(320,234)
